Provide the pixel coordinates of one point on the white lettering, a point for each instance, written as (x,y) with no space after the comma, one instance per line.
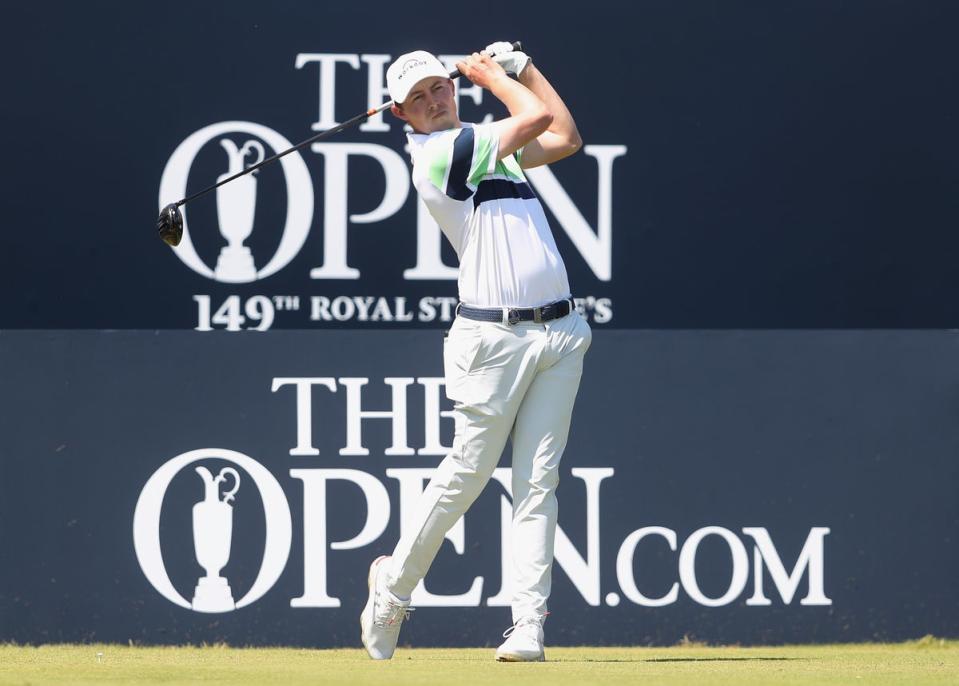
(304,408)
(810,558)
(335,214)
(402,314)
(603,311)
(363,305)
(596,248)
(355,415)
(584,573)
(315,592)
(687,566)
(624,567)
(376,91)
(320,308)
(382,311)
(427,310)
(343,308)
(327,83)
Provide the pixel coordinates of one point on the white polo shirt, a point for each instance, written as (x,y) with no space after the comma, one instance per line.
(489,213)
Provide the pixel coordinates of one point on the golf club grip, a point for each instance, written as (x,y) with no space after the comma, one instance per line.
(517,47)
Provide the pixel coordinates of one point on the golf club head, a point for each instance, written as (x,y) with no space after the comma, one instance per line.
(170,225)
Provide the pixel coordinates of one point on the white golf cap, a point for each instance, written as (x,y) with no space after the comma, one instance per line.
(408,70)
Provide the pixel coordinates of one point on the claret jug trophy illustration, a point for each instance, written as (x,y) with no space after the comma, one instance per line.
(236,207)
(212,536)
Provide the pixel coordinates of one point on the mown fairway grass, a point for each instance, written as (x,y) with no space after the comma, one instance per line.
(927,661)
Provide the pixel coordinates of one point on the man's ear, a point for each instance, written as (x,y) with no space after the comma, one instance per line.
(397,112)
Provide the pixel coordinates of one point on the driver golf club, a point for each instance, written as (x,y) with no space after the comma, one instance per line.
(170,221)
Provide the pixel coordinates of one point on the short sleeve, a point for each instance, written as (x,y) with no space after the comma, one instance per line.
(460,159)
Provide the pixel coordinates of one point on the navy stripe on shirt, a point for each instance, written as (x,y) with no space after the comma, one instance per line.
(456,186)
(495,189)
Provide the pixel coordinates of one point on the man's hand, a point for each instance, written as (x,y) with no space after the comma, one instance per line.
(528,114)
(512,61)
(481,70)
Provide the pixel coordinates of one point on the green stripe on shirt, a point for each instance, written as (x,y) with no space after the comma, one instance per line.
(509,167)
(439,166)
(482,158)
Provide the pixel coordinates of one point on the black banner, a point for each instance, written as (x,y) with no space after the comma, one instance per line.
(734,487)
(747,165)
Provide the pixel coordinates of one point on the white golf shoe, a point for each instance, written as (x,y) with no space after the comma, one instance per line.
(383,615)
(524,641)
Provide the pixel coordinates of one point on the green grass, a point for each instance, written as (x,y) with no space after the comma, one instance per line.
(927,661)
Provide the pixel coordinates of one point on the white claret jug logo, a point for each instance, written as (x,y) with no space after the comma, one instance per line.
(236,201)
(236,207)
(212,530)
(212,535)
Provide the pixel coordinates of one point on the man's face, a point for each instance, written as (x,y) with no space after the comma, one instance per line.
(430,106)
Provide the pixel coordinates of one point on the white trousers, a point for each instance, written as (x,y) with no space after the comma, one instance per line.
(506,381)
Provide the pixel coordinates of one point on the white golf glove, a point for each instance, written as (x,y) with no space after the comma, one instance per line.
(512,61)
(498,48)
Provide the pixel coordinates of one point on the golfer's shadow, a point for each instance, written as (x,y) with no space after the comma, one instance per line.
(722,659)
(692,659)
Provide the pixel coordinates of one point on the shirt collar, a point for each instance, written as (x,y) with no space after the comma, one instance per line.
(419,139)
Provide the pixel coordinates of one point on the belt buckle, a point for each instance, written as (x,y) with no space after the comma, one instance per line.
(538,314)
(512,316)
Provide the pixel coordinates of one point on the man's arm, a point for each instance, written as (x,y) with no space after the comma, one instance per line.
(562,138)
(529,117)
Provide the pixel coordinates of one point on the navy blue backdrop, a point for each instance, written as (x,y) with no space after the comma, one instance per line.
(788,164)
(797,433)
(750,167)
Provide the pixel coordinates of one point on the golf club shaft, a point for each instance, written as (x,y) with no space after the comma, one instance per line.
(358,119)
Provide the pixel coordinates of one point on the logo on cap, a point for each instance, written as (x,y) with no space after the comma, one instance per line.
(410,64)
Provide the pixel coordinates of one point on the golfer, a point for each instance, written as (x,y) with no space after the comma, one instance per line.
(514,355)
